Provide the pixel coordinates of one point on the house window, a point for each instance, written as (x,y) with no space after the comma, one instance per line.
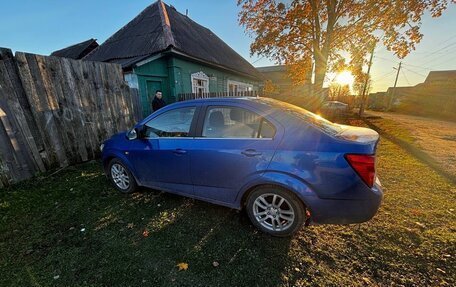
(236,87)
(200,83)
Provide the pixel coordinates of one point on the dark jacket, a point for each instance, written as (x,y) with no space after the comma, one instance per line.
(157,104)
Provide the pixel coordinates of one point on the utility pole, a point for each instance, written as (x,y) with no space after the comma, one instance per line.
(394,88)
(363,95)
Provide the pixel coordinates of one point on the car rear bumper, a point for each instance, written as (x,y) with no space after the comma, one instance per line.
(334,211)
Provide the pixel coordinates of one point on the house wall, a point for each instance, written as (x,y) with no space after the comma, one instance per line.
(218,78)
(152,76)
(172,74)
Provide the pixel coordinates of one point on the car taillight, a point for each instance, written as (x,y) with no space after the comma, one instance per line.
(364,165)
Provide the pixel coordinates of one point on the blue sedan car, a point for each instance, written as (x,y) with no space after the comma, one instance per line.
(284,164)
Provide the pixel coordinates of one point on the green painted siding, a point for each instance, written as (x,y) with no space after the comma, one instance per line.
(172,75)
(217,78)
(151,77)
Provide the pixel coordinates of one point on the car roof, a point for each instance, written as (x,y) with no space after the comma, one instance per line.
(262,101)
(221,99)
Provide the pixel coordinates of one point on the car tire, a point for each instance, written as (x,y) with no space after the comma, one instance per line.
(121,177)
(275,210)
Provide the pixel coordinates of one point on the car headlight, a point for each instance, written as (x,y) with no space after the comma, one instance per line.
(102,147)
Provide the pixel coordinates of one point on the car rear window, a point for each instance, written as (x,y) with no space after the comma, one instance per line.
(316,120)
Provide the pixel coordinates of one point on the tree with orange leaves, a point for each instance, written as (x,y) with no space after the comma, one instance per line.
(313,36)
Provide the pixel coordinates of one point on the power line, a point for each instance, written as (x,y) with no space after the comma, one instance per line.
(418,67)
(438,56)
(403,74)
(419,74)
(383,76)
(381,58)
(257,60)
(440,49)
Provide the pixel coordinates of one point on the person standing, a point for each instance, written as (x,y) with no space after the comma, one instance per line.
(158,101)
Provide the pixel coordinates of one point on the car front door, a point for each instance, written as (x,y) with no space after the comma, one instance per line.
(234,145)
(161,156)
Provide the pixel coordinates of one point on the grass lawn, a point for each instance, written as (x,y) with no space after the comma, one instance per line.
(74,229)
(436,139)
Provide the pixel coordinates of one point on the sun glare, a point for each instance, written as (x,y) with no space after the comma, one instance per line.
(345,78)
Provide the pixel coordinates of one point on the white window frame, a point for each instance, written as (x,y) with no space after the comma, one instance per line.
(200,76)
(245,87)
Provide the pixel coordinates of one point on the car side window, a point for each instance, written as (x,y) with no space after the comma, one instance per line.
(173,123)
(235,122)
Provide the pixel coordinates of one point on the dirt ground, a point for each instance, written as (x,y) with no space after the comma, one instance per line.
(435,137)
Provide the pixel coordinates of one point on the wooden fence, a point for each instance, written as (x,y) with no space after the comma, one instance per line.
(192,96)
(55,111)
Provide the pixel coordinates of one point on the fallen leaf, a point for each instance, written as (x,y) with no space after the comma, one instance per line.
(56,277)
(420,224)
(130,225)
(146,233)
(441,270)
(215,264)
(83,229)
(182,266)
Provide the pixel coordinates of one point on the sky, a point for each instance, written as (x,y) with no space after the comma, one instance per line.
(44,26)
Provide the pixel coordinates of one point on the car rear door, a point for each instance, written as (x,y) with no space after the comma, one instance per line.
(235,144)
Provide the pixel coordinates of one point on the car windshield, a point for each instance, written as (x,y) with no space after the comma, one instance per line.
(316,120)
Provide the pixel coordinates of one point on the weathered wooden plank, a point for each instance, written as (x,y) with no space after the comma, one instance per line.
(52,83)
(91,86)
(13,73)
(15,124)
(87,98)
(109,117)
(49,105)
(73,109)
(19,152)
(47,153)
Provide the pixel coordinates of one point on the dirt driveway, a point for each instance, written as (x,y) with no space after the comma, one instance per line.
(435,137)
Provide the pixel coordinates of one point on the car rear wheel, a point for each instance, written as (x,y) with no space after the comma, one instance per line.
(275,210)
(121,177)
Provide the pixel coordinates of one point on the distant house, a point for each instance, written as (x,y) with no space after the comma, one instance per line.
(77,51)
(441,78)
(377,101)
(398,94)
(162,49)
(278,79)
(435,97)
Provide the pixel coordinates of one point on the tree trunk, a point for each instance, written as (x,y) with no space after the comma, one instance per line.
(321,62)
(321,54)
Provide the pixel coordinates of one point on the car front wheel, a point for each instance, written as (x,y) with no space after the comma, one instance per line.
(121,177)
(275,210)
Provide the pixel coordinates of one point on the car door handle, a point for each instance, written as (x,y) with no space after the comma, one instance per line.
(179,151)
(250,152)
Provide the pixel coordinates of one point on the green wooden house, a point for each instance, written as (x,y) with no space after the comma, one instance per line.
(162,49)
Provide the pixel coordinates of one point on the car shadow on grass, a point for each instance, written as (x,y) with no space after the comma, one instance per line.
(73,228)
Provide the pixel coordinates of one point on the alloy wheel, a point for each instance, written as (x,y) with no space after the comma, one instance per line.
(120,176)
(273,212)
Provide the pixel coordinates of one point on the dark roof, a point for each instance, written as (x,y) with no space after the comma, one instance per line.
(268,69)
(77,51)
(160,27)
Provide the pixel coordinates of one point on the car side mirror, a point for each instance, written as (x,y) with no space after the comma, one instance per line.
(132,134)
